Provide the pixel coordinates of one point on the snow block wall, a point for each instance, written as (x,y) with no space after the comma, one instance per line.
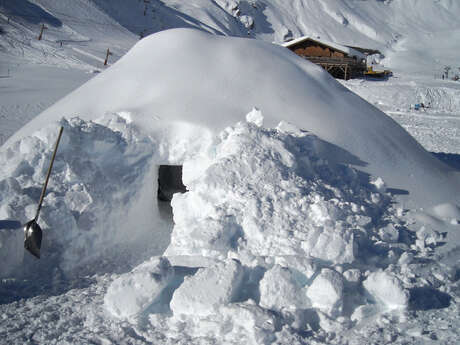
(102,181)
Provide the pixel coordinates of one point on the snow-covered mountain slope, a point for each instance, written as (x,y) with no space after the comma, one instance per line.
(414,35)
(77,33)
(397,98)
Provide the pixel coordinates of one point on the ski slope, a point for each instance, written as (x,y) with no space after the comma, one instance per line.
(391,26)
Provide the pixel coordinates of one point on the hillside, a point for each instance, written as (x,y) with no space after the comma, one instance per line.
(88,28)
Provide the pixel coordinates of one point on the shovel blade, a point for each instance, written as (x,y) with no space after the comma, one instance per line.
(33,238)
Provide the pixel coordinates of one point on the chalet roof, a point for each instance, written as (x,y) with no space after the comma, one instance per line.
(341,48)
(367,51)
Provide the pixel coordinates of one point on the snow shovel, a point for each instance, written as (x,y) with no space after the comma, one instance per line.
(32,231)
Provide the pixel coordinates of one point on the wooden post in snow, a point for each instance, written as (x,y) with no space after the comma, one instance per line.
(145,6)
(41,32)
(107,57)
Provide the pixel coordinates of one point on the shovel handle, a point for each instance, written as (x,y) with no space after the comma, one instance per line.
(42,196)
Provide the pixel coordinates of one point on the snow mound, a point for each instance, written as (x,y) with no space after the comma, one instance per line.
(270,224)
(181,70)
(273,194)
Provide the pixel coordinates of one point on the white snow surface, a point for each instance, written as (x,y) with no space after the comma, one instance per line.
(208,289)
(131,293)
(318,220)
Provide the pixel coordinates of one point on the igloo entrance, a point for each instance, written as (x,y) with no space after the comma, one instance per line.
(169,182)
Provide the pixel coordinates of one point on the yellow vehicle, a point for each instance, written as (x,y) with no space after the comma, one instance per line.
(377,74)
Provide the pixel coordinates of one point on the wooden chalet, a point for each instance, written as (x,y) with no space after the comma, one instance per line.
(340,61)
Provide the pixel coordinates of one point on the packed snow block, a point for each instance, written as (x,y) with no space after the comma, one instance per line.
(247,21)
(211,287)
(100,194)
(283,289)
(379,184)
(326,292)
(234,323)
(250,323)
(305,266)
(133,292)
(364,311)
(11,251)
(387,290)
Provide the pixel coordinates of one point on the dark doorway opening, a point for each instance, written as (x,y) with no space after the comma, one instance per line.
(170,182)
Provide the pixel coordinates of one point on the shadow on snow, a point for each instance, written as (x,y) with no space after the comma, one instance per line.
(30,12)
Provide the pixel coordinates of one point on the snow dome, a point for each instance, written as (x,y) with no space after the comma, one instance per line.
(192,79)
